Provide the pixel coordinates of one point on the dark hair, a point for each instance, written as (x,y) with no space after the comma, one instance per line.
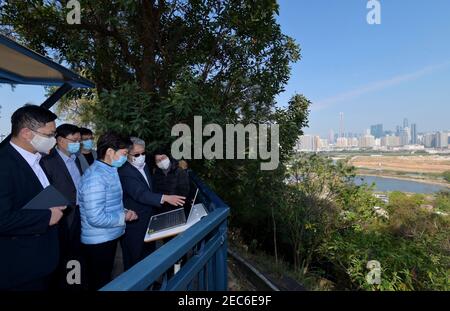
(65,130)
(30,116)
(85,131)
(160,150)
(112,140)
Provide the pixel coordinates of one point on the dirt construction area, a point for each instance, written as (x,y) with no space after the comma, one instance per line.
(411,164)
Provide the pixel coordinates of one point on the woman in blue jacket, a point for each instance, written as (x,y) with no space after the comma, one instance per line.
(102,213)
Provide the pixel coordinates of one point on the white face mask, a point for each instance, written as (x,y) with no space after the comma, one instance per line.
(43,144)
(164,164)
(139,162)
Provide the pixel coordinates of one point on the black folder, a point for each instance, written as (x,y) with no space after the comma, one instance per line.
(49,197)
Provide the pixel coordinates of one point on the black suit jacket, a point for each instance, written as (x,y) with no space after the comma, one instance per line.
(59,176)
(137,194)
(139,197)
(28,246)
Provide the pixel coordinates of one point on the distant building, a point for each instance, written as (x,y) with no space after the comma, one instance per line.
(341,142)
(390,141)
(377,130)
(405,123)
(308,143)
(441,140)
(413,133)
(323,145)
(429,140)
(353,142)
(398,130)
(331,137)
(317,143)
(367,141)
(405,136)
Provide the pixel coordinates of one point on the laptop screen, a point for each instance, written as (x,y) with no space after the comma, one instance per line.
(167,220)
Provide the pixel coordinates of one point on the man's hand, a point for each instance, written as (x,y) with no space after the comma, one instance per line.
(131,215)
(57,214)
(174,200)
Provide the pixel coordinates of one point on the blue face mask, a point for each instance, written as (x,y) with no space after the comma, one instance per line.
(118,163)
(88,144)
(73,148)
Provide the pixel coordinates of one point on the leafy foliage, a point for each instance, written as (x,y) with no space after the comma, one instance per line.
(159,63)
(446,175)
(333,229)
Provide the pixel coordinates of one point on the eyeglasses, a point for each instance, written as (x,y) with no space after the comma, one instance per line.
(45,135)
(138,154)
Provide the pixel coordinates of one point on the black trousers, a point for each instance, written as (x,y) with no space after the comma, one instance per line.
(69,249)
(134,249)
(99,260)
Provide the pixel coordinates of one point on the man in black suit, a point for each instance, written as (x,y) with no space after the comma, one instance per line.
(63,169)
(139,197)
(28,238)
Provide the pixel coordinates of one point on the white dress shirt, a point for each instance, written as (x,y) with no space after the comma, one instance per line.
(33,161)
(142,171)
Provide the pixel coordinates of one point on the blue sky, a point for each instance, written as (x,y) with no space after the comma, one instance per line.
(372,73)
(10,100)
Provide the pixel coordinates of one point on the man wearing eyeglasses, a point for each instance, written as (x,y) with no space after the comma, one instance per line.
(28,238)
(63,169)
(139,197)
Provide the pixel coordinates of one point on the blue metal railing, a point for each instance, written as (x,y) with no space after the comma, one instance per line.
(203,246)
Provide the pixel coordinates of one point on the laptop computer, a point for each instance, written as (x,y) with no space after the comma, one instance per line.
(174,222)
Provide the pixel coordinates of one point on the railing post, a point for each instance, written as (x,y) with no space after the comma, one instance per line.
(221,261)
(205,270)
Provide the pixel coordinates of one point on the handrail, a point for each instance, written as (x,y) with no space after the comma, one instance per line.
(207,239)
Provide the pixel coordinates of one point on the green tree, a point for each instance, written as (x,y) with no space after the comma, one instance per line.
(321,192)
(159,63)
(446,175)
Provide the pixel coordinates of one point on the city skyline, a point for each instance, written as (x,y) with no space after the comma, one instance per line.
(372,73)
(362,131)
(405,137)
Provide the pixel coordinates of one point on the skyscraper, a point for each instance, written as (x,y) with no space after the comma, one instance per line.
(398,130)
(405,123)
(341,124)
(429,140)
(413,133)
(405,136)
(331,136)
(441,140)
(377,130)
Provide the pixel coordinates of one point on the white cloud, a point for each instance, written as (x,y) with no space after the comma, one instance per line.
(376,86)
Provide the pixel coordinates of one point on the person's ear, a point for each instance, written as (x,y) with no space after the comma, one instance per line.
(26,134)
(109,153)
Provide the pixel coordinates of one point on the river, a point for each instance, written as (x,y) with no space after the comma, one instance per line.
(392,184)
